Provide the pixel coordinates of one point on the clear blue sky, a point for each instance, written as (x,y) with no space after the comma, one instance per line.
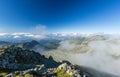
(60,15)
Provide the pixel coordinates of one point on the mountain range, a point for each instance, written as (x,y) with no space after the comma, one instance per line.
(83,52)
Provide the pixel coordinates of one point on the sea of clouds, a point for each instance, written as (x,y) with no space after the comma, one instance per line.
(101,53)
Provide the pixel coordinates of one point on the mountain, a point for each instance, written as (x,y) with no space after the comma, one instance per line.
(95,53)
(63,70)
(30,45)
(36,45)
(4,43)
(40,46)
(20,62)
(20,58)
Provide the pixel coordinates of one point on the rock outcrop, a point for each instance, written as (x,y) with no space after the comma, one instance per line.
(18,58)
(42,71)
(25,63)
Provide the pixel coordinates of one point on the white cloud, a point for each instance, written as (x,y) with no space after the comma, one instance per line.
(39,29)
(101,54)
(23,35)
(3,34)
(35,36)
(29,35)
(16,36)
(20,33)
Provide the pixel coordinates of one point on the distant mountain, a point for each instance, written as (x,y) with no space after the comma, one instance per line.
(50,43)
(4,43)
(30,45)
(40,46)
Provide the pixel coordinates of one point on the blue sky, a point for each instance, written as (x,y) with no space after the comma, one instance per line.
(60,15)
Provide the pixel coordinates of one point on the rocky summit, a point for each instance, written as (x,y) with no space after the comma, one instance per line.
(20,62)
(63,70)
(19,58)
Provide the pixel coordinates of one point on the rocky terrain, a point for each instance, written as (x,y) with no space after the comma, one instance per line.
(21,62)
(63,70)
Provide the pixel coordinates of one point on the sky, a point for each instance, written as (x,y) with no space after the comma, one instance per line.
(59,16)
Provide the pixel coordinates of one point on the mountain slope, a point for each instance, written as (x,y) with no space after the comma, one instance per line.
(19,58)
(21,62)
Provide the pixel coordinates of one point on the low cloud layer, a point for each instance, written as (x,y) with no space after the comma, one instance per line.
(20,36)
(99,52)
(37,32)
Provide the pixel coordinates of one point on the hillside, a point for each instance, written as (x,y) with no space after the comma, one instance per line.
(20,62)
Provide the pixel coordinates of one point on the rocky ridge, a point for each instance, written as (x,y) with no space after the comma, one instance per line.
(19,58)
(20,62)
(63,70)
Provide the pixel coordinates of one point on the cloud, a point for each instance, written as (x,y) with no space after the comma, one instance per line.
(29,35)
(16,36)
(3,34)
(65,45)
(94,52)
(39,29)
(20,33)
(36,36)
